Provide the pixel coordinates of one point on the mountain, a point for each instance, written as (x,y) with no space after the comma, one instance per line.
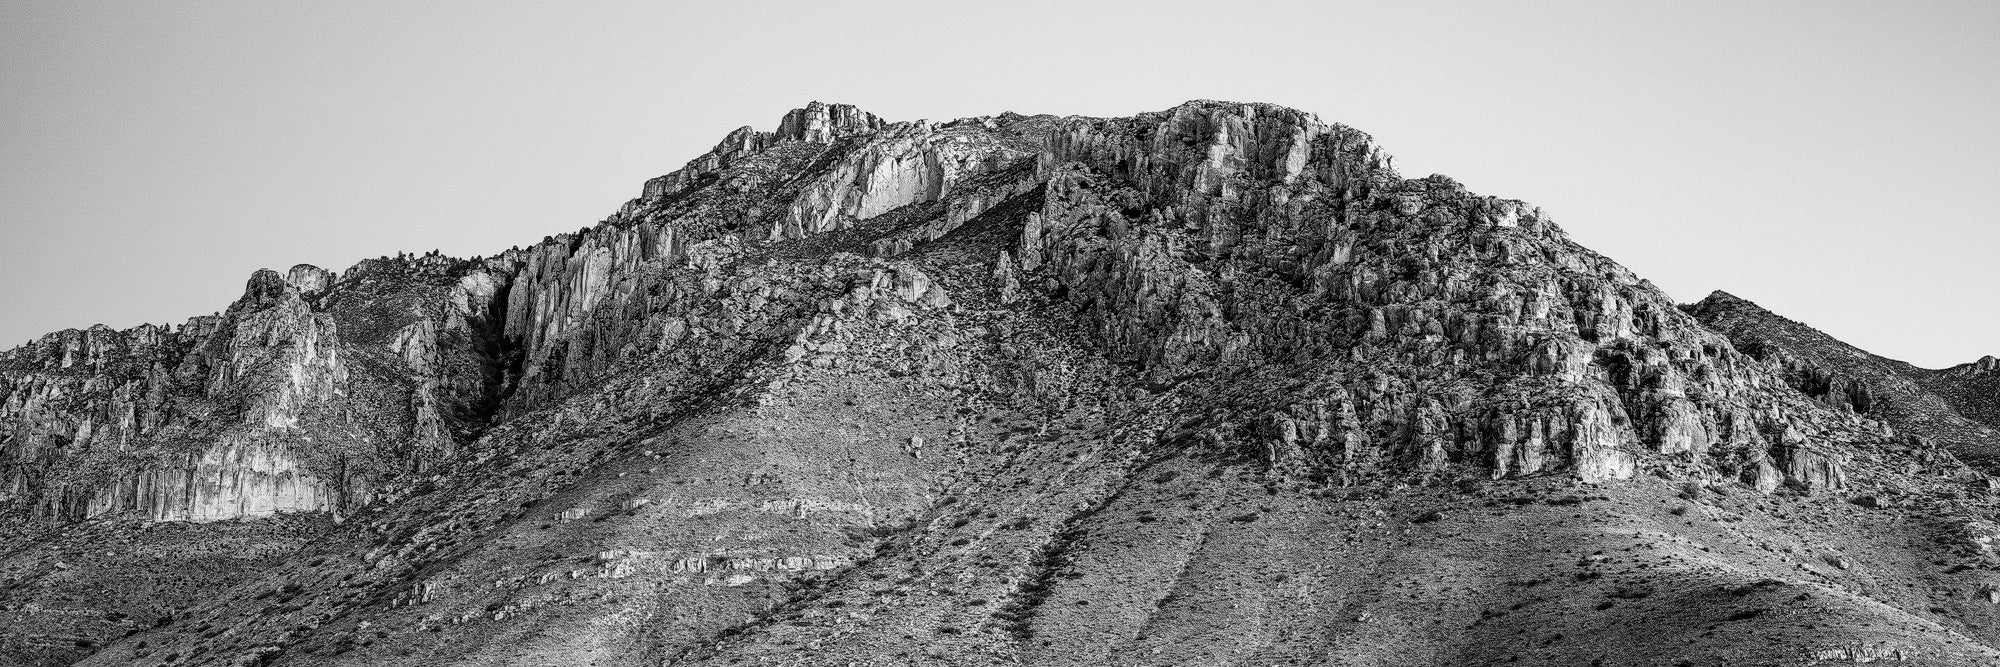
(1207,386)
(1958,407)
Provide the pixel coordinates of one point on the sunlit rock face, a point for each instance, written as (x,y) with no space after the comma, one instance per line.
(300,396)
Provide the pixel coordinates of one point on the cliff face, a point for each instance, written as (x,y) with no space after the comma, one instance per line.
(1192,386)
(302,396)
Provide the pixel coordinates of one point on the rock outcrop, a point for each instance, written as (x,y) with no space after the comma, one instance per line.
(302,396)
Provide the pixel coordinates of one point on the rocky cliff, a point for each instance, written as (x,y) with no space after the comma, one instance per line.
(303,395)
(1211,385)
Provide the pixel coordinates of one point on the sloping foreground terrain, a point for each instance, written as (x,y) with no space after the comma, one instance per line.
(1207,386)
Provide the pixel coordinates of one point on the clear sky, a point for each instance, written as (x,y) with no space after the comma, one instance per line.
(1836,162)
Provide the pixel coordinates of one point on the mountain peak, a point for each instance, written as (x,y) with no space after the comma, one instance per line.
(1985,365)
(1719,298)
(820,122)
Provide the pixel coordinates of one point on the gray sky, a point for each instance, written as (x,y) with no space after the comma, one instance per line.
(1834,161)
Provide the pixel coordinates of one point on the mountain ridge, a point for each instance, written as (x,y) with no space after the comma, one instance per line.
(1944,404)
(1208,385)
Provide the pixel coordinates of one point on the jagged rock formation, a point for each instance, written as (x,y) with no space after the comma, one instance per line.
(302,396)
(1213,385)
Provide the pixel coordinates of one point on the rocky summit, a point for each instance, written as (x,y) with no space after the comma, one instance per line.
(1207,386)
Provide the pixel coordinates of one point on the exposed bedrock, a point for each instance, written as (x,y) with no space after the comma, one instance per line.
(1460,327)
(1425,325)
(298,397)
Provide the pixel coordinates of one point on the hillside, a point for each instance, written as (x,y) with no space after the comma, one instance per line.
(1954,407)
(1207,386)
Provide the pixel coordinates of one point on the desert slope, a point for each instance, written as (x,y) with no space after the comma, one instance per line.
(1211,385)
